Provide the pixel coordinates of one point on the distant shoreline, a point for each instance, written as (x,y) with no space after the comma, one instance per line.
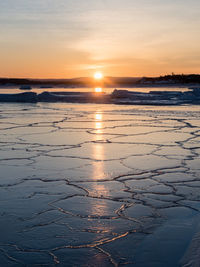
(108,82)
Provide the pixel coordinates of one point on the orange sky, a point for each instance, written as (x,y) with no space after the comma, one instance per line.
(75,38)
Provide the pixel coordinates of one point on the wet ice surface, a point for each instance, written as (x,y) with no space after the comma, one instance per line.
(99,185)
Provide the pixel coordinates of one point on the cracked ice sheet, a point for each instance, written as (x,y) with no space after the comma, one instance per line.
(97,185)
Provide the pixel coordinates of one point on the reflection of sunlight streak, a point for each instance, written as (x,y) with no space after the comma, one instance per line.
(98,125)
(98,116)
(98,152)
(98,90)
(98,132)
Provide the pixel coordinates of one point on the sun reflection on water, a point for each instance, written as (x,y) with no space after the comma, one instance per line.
(98,90)
(98,127)
(98,117)
(99,189)
(98,124)
(98,148)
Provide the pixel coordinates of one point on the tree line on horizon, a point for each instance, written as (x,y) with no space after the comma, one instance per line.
(108,81)
(173,78)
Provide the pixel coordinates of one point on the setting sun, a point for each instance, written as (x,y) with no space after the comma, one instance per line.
(98,75)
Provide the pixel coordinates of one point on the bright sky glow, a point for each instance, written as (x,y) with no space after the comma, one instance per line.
(73,38)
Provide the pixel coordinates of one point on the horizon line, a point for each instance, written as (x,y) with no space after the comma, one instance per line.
(90,77)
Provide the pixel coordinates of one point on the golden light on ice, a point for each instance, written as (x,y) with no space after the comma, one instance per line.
(98,189)
(98,125)
(98,75)
(98,116)
(98,90)
(98,122)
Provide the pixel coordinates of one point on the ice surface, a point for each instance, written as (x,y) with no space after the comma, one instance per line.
(163,97)
(88,185)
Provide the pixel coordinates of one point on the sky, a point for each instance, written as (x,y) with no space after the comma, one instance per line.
(75,38)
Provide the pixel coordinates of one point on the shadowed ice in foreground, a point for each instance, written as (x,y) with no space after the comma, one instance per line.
(190,96)
(106,185)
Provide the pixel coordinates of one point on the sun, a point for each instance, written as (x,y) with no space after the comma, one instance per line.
(98,75)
